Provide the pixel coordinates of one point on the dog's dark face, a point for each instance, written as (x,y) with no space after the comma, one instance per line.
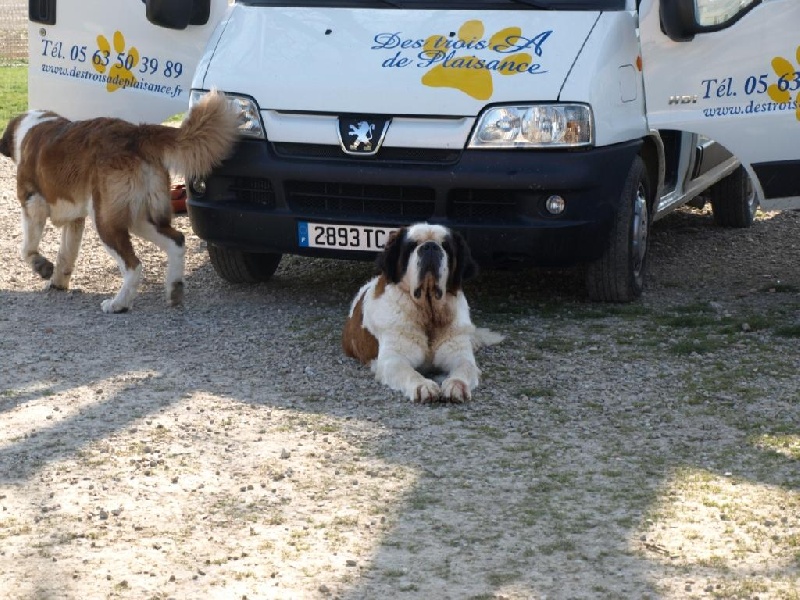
(430,260)
(17,130)
(7,141)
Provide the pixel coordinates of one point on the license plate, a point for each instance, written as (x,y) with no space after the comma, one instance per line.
(341,237)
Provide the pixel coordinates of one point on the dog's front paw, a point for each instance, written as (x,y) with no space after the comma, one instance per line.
(59,281)
(43,267)
(55,285)
(426,392)
(109,307)
(175,294)
(455,390)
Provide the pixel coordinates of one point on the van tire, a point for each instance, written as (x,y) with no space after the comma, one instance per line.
(733,200)
(618,275)
(237,266)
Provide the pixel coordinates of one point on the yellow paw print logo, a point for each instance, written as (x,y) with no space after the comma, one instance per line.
(118,64)
(470,74)
(788,81)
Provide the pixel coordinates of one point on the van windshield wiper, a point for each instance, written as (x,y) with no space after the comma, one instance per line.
(541,4)
(571,4)
(562,4)
(449,4)
(538,4)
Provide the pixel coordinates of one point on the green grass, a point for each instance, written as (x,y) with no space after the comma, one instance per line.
(13,92)
(788,331)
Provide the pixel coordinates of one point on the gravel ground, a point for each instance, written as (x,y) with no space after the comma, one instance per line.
(227,449)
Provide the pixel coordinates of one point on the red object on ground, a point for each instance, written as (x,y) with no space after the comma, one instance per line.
(179,199)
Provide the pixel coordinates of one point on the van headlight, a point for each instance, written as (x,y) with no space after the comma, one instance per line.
(534,126)
(249,119)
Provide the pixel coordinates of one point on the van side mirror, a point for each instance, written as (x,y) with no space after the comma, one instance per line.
(42,11)
(178,14)
(682,19)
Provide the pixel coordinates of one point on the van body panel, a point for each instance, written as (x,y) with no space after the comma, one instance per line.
(607,77)
(738,86)
(104,58)
(409,62)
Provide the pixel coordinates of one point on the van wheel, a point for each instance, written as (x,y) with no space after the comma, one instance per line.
(237,266)
(618,275)
(733,200)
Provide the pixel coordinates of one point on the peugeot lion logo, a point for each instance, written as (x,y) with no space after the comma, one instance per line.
(362,135)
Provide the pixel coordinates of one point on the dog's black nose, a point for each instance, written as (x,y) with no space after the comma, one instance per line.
(430,257)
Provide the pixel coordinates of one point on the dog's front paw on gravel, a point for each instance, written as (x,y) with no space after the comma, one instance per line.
(110,308)
(175,294)
(455,390)
(43,267)
(427,392)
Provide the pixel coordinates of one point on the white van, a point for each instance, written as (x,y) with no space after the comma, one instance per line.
(548,132)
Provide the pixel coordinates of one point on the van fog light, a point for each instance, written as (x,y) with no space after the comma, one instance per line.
(198,186)
(555,205)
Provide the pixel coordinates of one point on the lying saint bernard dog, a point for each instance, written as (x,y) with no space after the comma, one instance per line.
(414,315)
(117,173)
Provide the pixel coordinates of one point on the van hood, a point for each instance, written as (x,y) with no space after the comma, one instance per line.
(397,62)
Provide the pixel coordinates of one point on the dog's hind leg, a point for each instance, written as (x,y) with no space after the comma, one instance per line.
(71,236)
(154,224)
(118,244)
(34,217)
(172,242)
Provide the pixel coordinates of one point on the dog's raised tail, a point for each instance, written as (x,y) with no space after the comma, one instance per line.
(205,138)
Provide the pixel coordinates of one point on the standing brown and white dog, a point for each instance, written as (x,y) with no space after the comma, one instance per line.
(414,315)
(119,174)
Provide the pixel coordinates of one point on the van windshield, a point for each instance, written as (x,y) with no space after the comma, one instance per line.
(450,4)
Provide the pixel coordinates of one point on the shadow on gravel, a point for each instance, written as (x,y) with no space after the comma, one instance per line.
(550,484)
(55,342)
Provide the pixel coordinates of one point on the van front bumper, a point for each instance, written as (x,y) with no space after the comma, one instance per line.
(495,198)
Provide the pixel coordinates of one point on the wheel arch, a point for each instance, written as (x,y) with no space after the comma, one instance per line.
(653,155)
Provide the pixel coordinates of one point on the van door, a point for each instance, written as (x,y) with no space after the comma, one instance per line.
(92,58)
(730,70)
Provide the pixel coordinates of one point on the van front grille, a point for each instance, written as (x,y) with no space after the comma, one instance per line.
(490,205)
(403,203)
(254,190)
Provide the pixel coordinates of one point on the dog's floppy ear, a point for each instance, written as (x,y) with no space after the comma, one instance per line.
(389,261)
(462,265)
